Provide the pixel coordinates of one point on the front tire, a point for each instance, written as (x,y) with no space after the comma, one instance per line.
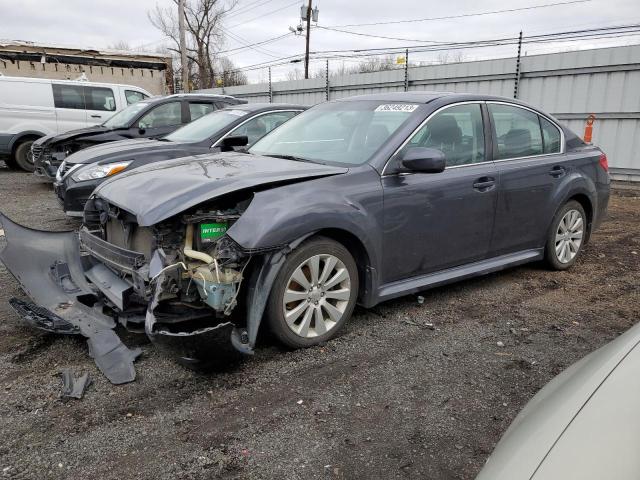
(314,294)
(23,157)
(566,236)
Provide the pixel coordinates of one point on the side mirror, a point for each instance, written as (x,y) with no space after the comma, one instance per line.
(228,143)
(423,160)
(141,130)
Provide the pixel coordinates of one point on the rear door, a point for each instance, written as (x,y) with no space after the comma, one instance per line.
(435,221)
(531,165)
(69,103)
(100,103)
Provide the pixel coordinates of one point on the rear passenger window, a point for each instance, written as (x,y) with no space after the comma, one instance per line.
(68,96)
(517,131)
(134,97)
(550,136)
(198,110)
(456,131)
(99,98)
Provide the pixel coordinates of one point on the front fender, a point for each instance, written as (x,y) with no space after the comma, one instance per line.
(352,203)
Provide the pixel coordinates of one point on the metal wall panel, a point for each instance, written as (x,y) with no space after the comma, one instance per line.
(569,85)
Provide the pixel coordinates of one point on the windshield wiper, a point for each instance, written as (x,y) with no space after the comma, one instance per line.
(288,157)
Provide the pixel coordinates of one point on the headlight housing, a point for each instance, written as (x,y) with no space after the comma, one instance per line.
(99,171)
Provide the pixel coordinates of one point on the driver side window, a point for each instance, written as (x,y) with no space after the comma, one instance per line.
(166,115)
(456,131)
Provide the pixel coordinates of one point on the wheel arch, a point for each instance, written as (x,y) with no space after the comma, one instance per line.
(361,256)
(588,207)
(21,137)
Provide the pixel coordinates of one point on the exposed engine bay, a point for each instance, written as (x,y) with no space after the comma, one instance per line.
(178,281)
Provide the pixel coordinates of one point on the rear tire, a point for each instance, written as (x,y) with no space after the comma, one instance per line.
(23,157)
(320,281)
(566,236)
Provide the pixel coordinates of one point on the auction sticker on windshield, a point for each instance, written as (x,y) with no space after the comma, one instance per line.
(396,107)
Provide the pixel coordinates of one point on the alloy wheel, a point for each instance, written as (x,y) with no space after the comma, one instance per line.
(569,236)
(316,296)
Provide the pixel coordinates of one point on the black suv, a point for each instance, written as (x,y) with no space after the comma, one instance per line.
(152,118)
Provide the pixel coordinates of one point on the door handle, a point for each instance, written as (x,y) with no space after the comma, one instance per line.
(484,184)
(96,116)
(557,171)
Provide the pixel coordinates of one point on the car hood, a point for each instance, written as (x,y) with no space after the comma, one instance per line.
(159,191)
(73,134)
(118,150)
(537,428)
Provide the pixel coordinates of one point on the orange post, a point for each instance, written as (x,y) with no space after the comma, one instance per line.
(588,129)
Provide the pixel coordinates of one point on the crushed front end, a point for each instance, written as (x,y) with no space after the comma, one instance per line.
(179,280)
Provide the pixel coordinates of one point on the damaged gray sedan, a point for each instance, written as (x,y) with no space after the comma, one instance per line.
(358,200)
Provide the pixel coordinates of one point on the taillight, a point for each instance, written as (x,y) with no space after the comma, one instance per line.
(604,163)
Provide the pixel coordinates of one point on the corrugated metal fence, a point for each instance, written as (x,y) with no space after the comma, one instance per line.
(569,85)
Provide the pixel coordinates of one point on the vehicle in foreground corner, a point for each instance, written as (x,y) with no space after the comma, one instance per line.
(583,425)
(361,199)
(150,118)
(83,171)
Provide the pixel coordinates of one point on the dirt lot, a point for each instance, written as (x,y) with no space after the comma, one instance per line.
(391,398)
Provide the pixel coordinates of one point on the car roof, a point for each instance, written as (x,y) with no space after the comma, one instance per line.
(252,107)
(426,97)
(201,96)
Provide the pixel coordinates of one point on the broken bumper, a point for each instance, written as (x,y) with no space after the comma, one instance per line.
(70,290)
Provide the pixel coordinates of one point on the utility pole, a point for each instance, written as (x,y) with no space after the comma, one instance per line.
(183,47)
(306,56)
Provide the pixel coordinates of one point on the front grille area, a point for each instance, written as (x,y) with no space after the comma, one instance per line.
(117,257)
(65,167)
(41,153)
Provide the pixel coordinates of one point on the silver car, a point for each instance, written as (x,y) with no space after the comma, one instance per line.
(584,424)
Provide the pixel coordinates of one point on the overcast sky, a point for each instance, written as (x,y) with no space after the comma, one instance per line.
(100,24)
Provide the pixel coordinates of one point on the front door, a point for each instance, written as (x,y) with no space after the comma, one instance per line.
(160,121)
(434,221)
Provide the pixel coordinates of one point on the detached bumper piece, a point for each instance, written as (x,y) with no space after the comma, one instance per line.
(51,271)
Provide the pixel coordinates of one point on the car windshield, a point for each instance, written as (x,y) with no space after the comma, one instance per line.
(205,126)
(123,118)
(347,132)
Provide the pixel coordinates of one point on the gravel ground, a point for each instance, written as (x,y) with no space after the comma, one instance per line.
(391,398)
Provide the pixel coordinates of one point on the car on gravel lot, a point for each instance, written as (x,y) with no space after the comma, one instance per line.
(151,118)
(358,200)
(31,108)
(582,425)
(81,172)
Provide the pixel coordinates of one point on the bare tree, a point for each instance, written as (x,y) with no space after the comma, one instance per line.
(228,75)
(120,45)
(203,20)
(295,74)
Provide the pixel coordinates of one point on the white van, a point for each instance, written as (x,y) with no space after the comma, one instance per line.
(31,108)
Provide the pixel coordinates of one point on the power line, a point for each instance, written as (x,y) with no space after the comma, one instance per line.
(463,15)
(249,6)
(245,22)
(544,38)
(251,46)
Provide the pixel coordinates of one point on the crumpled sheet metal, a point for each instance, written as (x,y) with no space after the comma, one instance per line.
(50,270)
